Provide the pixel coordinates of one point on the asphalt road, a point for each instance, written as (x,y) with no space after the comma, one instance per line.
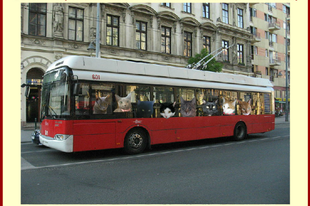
(254,171)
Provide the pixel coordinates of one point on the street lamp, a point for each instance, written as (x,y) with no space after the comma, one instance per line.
(91,48)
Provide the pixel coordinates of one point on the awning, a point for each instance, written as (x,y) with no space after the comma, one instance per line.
(280,100)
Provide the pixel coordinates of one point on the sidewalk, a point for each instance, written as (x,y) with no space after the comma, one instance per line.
(281,120)
(26,132)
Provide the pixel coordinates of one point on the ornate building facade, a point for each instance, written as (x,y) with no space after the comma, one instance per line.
(157,33)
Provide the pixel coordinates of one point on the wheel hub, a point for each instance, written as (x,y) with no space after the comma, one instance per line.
(135,140)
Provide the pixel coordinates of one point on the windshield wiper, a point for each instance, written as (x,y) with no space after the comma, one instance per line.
(55,114)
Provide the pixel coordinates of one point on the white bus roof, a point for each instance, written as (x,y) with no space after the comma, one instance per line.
(123,71)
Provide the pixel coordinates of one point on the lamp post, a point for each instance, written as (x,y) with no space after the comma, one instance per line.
(286,75)
(98,32)
(91,46)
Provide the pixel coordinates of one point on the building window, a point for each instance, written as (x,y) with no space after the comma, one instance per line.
(266,34)
(266,52)
(253,30)
(206,10)
(141,37)
(270,19)
(37,19)
(288,61)
(286,10)
(112,30)
(240,53)
(187,44)
(76,18)
(266,71)
(274,38)
(240,18)
(187,7)
(253,68)
(166,4)
(253,13)
(166,40)
(207,43)
(225,45)
(225,13)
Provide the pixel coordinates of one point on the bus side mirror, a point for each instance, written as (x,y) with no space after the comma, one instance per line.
(76,89)
(27,91)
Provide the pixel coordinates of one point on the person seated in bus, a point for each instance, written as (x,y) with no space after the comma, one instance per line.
(167,110)
(123,103)
(229,106)
(102,103)
(210,108)
(188,108)
(145,109)
(245,108)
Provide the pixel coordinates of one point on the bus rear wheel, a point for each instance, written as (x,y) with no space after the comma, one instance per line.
(135,141)
(240,131)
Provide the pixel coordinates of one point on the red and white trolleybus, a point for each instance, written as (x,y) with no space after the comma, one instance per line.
(96,103)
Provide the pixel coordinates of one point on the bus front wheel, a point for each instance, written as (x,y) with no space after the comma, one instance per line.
(240,131)
(135,141)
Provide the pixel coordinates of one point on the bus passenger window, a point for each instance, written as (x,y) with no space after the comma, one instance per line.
(245,104)
(101,96)
(162,95)
(210,103)
(200,101)
(82,100)
(267,104)
(187,102)
(142,107)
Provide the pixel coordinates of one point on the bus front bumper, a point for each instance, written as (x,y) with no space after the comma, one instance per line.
(65,145)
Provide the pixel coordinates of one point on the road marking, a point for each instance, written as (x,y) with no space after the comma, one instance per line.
(28,166)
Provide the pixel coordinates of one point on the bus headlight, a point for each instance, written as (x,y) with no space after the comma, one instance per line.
(61,137)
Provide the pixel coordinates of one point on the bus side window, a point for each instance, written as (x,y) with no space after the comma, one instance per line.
(142,107)
(211,98)
(200,101)
(101,98)
(162,95)
(187,96)
(82,100)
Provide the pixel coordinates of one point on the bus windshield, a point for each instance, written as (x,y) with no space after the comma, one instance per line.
(55,94)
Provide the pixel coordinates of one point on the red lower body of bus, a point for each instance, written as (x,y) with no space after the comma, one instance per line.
(110,133)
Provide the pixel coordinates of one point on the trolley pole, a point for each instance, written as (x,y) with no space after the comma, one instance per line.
(98,32)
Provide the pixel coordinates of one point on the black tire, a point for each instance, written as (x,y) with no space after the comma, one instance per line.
(240,131)
(135,141)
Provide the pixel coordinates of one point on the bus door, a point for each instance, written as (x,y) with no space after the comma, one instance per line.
(93,110)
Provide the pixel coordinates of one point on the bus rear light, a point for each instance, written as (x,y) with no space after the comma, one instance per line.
(61,137)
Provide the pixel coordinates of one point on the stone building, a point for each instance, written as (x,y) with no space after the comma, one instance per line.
(270,25)
(157,33)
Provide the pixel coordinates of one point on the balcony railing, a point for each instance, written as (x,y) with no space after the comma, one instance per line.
(271,44)
(256,37)
(271,78)
(274,26)
(275,62)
